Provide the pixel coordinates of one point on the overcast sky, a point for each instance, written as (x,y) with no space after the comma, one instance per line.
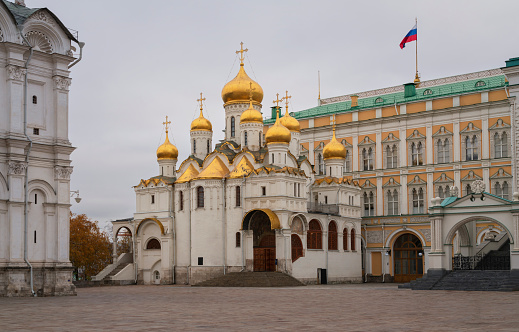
(144,60)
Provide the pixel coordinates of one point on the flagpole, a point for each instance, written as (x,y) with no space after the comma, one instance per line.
(416,79)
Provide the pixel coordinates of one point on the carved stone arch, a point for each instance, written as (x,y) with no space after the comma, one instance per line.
(116,231)
(39,41)
(42,30)
(8,31)
(450,235)
(396,233)
(464,237)
(144,221)
(304,221)
(44,187)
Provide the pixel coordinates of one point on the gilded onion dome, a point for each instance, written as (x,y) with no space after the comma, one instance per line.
(237,90)
(167,150)
(290,122)
(278,133)
(334,149)
(251,115)
(201,123)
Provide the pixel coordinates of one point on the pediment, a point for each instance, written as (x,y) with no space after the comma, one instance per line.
(366,141)
(368,185)
(471,177)
(501,174)
(500,124)
(443,179)
(319,147)
(475,201)
(416,181)
(470,128)
(346,144)
(390,139)
(442,132)
(391,183)
(416,135)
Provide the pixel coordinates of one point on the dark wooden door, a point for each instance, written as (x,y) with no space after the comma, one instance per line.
(265,254)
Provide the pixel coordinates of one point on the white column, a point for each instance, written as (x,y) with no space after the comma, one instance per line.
(484,139)
(378,150)
(456,142)
(355,157)
(429,144)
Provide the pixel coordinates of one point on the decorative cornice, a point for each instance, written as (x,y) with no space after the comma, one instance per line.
(62,173)
(42,16)
(17,168)
(16,73)
(62,83)
(425,84)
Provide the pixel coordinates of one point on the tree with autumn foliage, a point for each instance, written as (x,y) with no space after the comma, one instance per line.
(90,247)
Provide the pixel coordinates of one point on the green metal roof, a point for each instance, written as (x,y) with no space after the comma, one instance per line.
(512,62)
(434,92)
(448,200)
(20,14)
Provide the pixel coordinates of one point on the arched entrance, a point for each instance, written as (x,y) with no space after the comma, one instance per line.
(407,258)
(264,241)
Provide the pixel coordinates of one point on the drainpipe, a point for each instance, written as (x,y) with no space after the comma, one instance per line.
(26,191)
(189,217)
(366,255)
(81,45)
(172,217)
(383,255)
(242,198)
(224,228)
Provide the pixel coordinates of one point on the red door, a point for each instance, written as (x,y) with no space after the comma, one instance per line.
(265,254)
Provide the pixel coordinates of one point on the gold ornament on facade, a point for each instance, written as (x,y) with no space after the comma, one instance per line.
(201,123)
(287,120)
(188,175)
(215,170)
(243,168)
(237,90)
(167,150)
(251,114)
(278,133)
(334,149)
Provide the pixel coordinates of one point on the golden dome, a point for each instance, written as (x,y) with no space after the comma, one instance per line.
(201,123)
(237,90)
(334,149)
(251,115)
(290,122)
(278,133)
(167,150)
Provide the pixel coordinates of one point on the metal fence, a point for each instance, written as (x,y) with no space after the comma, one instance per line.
(323,208)
(480,262)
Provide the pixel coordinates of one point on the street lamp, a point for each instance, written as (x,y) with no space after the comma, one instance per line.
(75,192)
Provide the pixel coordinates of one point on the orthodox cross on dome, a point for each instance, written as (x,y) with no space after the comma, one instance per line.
(166,123)
(286,98)
(251,89)
(201,100)
(333,122)
(242,51)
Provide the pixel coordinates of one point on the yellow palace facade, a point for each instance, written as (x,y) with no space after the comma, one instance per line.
(408,145)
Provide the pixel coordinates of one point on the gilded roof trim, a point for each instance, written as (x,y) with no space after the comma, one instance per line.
(274,220)
(156,221)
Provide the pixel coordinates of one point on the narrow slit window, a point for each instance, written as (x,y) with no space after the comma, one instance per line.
(35,100)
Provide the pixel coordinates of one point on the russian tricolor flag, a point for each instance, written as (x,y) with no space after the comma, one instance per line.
(411,36)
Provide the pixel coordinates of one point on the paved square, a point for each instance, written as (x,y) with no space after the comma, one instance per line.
(367,307)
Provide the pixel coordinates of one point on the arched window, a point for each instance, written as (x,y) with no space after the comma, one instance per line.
(314,236)
(352,241)
(347,162)
(208,147)
(468,189)
(500,145)
(369,204)
(194,146)
(200,197)
(181,200)
(443,148)
(497,189)
(238,196)
(320,163)
(391,156)
(367,159)
(392,202)
(471,148)
(232,126)
(417,153)
(259,138)
(297,247)
(332,236)
(245,137)
(504,190)
(441,193)
(153,244)
(238,240)
(418,201)
(34,99)
(345,239)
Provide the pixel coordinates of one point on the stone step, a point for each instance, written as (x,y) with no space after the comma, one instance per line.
(252,279)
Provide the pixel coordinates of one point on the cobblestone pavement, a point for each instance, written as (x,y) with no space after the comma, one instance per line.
(367,307)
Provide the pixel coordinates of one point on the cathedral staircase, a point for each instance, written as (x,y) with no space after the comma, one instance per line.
(252,279)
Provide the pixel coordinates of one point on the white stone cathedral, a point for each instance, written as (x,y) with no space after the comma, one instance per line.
(36,52)
(242,205)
